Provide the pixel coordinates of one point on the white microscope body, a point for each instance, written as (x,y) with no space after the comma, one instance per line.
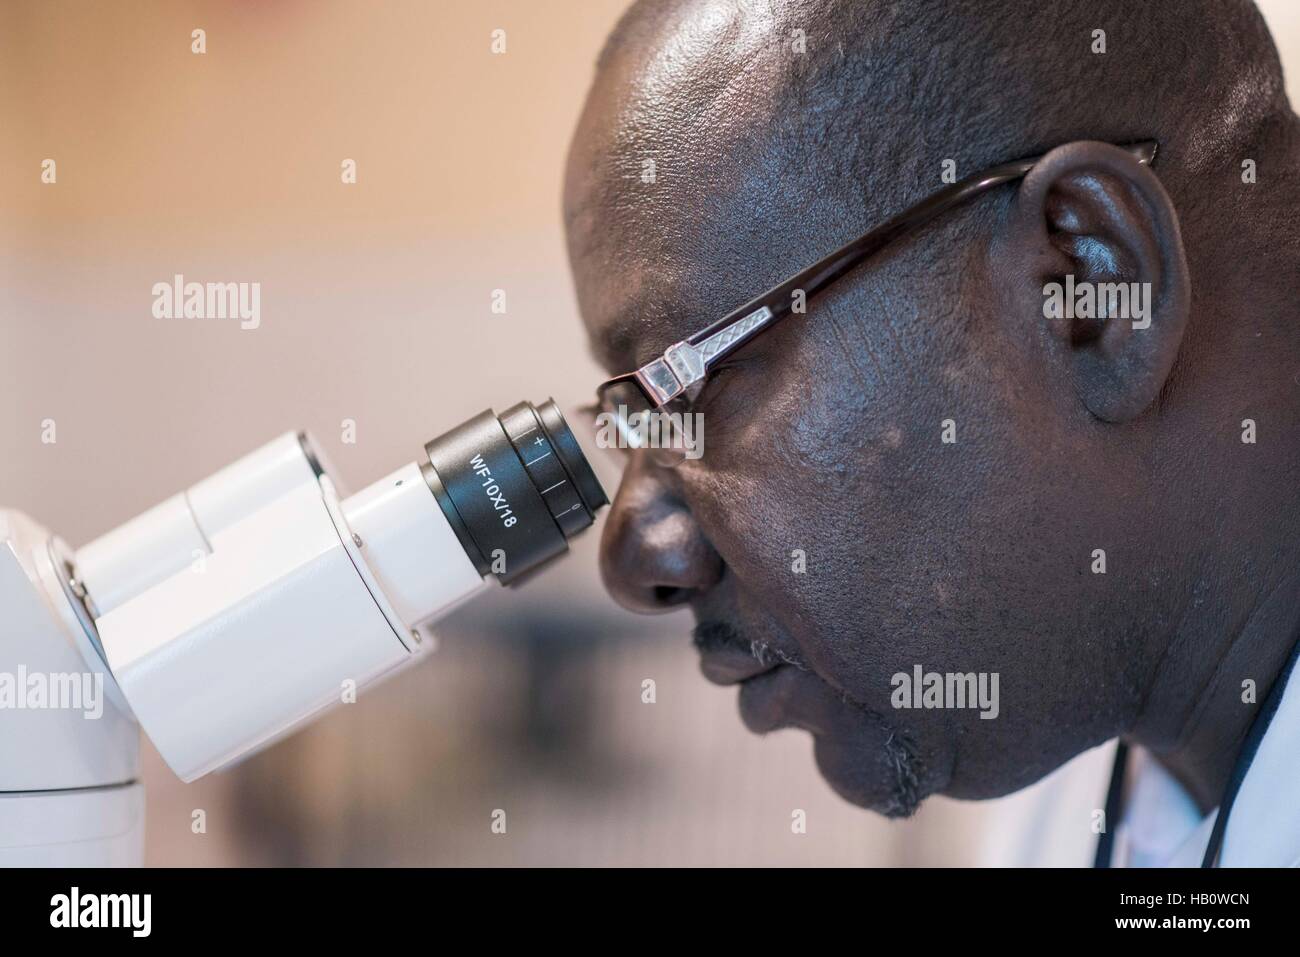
(233,613)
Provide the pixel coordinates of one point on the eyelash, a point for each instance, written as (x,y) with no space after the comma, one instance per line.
(720,373)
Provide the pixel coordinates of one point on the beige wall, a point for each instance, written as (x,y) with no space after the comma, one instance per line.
(375,307)
(226,166)
(1283,18)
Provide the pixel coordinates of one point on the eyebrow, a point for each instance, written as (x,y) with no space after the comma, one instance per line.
(616,343)
(608,351)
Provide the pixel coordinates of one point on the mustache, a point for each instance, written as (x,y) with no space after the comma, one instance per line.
(724,636)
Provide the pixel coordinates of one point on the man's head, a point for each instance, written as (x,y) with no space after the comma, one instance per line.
(923,469)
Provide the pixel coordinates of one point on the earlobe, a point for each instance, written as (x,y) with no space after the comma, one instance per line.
(1098,258)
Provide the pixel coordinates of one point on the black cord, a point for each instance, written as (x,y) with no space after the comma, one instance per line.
(1258,728)
(1110,819)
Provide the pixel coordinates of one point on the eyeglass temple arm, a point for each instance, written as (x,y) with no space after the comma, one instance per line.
(733,330)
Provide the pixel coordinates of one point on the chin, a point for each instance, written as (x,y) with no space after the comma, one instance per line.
(884,780)
(865,754)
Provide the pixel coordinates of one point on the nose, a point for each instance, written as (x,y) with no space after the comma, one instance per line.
(653,555)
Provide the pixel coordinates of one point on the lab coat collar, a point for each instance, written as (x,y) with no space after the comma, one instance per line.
(1264,827)
(1162,827)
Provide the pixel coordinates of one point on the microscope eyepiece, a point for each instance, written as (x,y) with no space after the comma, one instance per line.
(515,487)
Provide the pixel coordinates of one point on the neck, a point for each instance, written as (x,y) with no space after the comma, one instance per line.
(1241,617)
(1201,744)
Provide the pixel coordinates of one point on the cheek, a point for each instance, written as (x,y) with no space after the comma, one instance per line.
(796,499)
(848,521)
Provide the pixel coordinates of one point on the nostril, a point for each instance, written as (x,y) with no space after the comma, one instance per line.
(669,595)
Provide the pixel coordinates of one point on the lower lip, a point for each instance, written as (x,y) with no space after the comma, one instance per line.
(765,700)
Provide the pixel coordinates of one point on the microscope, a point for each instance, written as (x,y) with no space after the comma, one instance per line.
(235,612)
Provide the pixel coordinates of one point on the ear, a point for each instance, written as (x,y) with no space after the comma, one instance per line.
(1093,254)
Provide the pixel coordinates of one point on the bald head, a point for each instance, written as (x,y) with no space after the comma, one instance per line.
(754,136)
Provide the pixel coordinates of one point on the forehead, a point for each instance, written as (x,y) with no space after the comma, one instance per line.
(679,199)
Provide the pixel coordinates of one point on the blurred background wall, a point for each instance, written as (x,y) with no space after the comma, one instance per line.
(376,308)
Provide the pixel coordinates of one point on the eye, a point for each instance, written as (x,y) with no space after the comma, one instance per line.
(720,377)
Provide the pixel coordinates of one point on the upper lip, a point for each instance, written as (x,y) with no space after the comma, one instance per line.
(729,655)
(730,665)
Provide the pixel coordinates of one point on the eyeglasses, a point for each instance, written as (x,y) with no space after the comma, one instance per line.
(648,407)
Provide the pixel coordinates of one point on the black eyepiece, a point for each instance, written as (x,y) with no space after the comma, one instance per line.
(515,487)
